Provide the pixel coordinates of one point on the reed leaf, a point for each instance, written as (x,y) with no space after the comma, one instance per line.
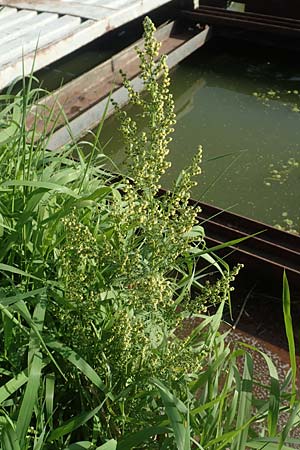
(13,385)
(72,424)
(80,364)
(286,299)
(175,409)
(29,398)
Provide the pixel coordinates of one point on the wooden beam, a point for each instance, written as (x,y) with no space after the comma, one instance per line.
(129,9)
(22,58)
(90,118)
(83,92)
(60,7)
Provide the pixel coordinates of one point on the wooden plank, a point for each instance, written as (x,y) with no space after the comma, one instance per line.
(54,31)
(107,19)
(5,12)
(74,8)
(15,19)
(87,32)
(83,92)
(23,31)
(130,9)
(89,119)
(117,4)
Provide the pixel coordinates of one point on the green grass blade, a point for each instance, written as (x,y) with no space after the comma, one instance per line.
(286,299)
(274,402)
(39,443)
(13,385)
(38,318)
(15,270)
(84,445)
(72,424)
(9,438)
(49,398)
(245,404)
(294,414)
(7,301)
(21,307)
(200,252)
(135,439)
(41,184)
(260,445)
(29,399)
(209,405)
(35,363)
(173,408)
(81,365)
(110,445)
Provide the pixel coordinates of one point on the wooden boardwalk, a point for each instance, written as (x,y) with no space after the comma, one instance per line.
(39,32)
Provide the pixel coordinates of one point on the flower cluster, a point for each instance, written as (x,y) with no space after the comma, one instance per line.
(128,278)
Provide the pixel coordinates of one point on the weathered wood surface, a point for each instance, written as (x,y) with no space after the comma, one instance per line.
(93,9)
(39,32)
(85,116)
(83,92)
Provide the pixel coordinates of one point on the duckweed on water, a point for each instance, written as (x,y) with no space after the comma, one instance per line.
(289,225)
(280,174)
(290,98)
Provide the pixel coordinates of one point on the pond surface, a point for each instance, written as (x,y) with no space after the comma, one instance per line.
(242,104)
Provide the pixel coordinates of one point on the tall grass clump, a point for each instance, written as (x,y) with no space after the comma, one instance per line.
(99,281)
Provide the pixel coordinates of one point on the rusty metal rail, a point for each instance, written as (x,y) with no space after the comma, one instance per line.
(244,20)
(266,253)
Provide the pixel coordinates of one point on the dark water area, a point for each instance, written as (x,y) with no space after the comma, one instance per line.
(242,104)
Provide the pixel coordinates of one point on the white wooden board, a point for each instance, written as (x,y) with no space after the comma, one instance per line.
(17,20)
(88,9)
(40,32)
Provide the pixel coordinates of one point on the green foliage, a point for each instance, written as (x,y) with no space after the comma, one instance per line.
(99,280)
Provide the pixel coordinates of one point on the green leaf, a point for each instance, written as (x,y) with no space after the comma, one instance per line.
(208,405)
(30,397)
(294,415)
(38,318)
(7,301)
(49,397)
(80,363)
(133,440)
(110,445)
(13,385)
(200,252)
(286,300)
(179,425)
(271,444)
(274,402)
(21,308)
(84,445)
(35,363)
(15,270)
(244,404)
(9,438)
(72,424)
(7,133)
(41,184)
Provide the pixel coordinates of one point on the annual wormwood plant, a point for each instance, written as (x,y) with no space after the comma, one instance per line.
(128,273)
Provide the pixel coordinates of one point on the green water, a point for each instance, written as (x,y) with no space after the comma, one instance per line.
(242,105)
